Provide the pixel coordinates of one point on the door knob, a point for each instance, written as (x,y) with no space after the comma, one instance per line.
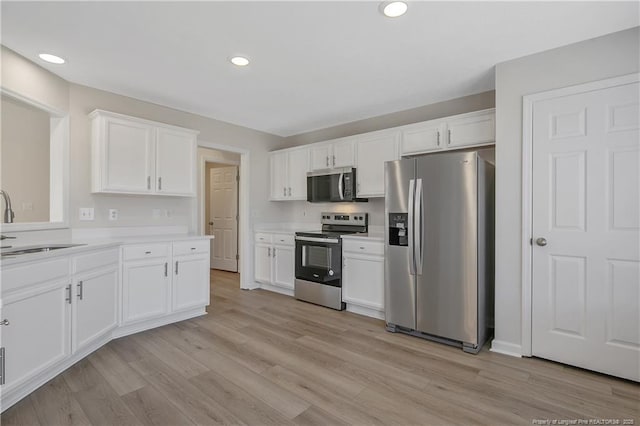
(541,241)
(211,223)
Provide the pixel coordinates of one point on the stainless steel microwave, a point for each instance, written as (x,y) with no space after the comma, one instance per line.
(330,186)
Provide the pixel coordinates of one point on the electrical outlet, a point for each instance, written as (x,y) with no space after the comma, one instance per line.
(27,206)
(156,213)
(113,214)
(86,213)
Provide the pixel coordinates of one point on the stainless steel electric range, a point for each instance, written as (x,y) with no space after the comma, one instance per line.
(319,258)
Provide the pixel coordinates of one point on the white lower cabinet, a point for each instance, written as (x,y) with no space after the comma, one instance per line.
(190,281)
(363,277)
(36,333)
(274,260)
(145,289)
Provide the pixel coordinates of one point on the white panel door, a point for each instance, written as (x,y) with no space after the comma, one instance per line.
(586,205)
(424,137)
(190,282)
(175,162)
(372,153)
(146,289)
(128,156)
(363,281)
(320,156)
(223,218)
(95,310)
(278,175)
(262,265)
(38,333)
(283,266)
(298,163)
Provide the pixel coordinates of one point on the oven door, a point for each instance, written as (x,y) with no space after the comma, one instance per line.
(319,260)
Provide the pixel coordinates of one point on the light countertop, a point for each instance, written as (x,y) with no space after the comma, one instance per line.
(371,236)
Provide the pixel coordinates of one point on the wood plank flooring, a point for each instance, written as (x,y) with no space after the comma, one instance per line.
(260,358)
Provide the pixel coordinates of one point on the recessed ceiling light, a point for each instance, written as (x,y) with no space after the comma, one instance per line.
(240,61)
(394,9)
(51,58)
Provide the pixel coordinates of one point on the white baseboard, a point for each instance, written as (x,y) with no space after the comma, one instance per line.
(126,330)
(276,289)
(506,348)
(362,310)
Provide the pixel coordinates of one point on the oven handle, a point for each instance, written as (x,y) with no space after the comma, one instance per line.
(319,240)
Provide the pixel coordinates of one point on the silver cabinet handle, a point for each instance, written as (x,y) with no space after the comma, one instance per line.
(147,252)
(449,138)
(159,184)
(5,322)
(166,267)
(327,161)
(269,251)
(541,241)
(274,252)
(289,191)
(284,191)
(80,290)
(334,161)
(438,138)
(68,298)
(176,267)
(148,182)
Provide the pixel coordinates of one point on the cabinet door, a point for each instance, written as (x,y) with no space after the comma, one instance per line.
(342,155)
(298,163)
(472,130)
(426,137)
(127,157)
(95,311)
(320,157)
(38,333)
(372,153)
(278,174)
(175,162)
(146,289)
(363,281)
(283,266)
(190,282)
(262,272)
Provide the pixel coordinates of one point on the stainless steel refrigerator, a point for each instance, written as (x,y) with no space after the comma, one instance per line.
(439,271)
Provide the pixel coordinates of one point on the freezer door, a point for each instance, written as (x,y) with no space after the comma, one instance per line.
(399,295)
(447,289)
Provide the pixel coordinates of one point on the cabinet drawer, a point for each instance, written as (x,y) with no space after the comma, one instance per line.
(191,247)
(95,260)
(283,239)
(34,273)
(262,237)
(144,251)
(365,247)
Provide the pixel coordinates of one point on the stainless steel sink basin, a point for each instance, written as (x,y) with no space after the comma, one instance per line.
(36,249)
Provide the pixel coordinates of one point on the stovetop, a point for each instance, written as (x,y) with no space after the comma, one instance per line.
(321,234)
(337,224)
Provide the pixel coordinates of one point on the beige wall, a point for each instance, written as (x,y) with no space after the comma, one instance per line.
(24,148)
(608,56)
(455,106)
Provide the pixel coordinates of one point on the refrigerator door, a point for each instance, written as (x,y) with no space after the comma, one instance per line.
(447,289)
(399,271)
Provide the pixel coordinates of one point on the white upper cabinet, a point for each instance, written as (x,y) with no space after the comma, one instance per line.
(338,153)
(459,131)
(289,174)
(372,151)
(471,129)
(135,156)
(423,137)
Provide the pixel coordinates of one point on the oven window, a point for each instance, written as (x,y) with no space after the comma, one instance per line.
(316,257)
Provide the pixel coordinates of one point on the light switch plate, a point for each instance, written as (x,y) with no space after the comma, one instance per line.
(86,213)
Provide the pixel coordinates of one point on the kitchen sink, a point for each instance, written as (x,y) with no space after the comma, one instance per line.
(37,249)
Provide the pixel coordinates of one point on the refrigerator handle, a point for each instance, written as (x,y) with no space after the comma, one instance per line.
(412,256)
(340,186)
(419,220)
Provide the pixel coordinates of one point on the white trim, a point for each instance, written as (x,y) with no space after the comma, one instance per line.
(276,289)
(136,327)
(59,170)
(506,348)
(528,104)
(244,235)
(365,310)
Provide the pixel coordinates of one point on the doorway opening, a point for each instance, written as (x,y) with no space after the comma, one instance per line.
(220,206)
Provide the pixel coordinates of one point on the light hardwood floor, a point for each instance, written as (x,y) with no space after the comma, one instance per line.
(260,358)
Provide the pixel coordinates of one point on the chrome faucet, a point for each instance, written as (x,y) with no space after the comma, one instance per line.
(8,213)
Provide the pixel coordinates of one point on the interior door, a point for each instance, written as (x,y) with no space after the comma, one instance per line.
(586,222)
(223,218)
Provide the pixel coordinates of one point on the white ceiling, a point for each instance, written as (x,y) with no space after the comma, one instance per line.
(313,64)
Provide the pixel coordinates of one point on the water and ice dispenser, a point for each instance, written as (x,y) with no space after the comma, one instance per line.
(398,229)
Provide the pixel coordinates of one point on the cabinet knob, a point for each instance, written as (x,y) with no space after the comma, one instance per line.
(4,322)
